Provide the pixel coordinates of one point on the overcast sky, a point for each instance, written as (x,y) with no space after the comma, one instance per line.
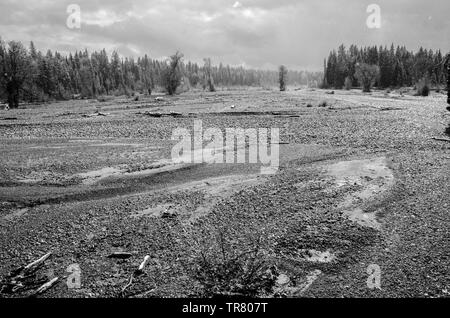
(254,33)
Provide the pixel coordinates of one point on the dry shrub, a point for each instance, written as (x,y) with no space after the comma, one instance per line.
(348,83)
(224,267)
(323,103)
(422,88)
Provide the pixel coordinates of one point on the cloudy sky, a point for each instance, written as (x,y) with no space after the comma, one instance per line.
(254,33)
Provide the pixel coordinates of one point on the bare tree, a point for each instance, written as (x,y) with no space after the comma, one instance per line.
(209,81)
(172,74)
(282,77)
(367,75)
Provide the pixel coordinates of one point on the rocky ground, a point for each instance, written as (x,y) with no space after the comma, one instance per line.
(358,208)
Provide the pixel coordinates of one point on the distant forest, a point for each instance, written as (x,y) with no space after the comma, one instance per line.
(397,66)
(30,75)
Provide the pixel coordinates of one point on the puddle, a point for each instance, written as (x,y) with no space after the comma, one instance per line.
(372,175)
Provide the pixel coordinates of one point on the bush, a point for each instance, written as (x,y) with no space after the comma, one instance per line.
(367,75)
(282,77)
(223,267)
(423,88)
(348,83)
(171,75)
(323,103)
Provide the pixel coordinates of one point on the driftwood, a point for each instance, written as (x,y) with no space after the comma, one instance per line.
(45,287)
(441,139)
(137,272)
(158,115)
(120,255)
(35,265)
(95,115)
(24,277)
(142,265)
(141,295)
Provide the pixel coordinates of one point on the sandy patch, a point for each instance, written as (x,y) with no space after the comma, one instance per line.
(16,214)
(375,178)
(214,189)
(314,256)
(160,166)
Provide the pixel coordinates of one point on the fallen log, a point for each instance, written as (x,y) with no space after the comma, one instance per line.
(45,287)
(95,115)
(36,264)
(141,267)
(120,255)
(141,295)
(441,139)
(23,276)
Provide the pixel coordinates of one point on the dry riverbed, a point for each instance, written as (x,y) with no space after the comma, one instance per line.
(361,183)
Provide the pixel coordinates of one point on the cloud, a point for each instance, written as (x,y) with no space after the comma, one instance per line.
(257,33)
(237,4)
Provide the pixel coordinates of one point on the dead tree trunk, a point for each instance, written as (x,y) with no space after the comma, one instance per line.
(12,90)
(448,81)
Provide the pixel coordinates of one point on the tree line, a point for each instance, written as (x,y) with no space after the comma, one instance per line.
(384,67)
(27,74)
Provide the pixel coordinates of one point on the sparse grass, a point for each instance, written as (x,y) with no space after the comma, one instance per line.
(224,268)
